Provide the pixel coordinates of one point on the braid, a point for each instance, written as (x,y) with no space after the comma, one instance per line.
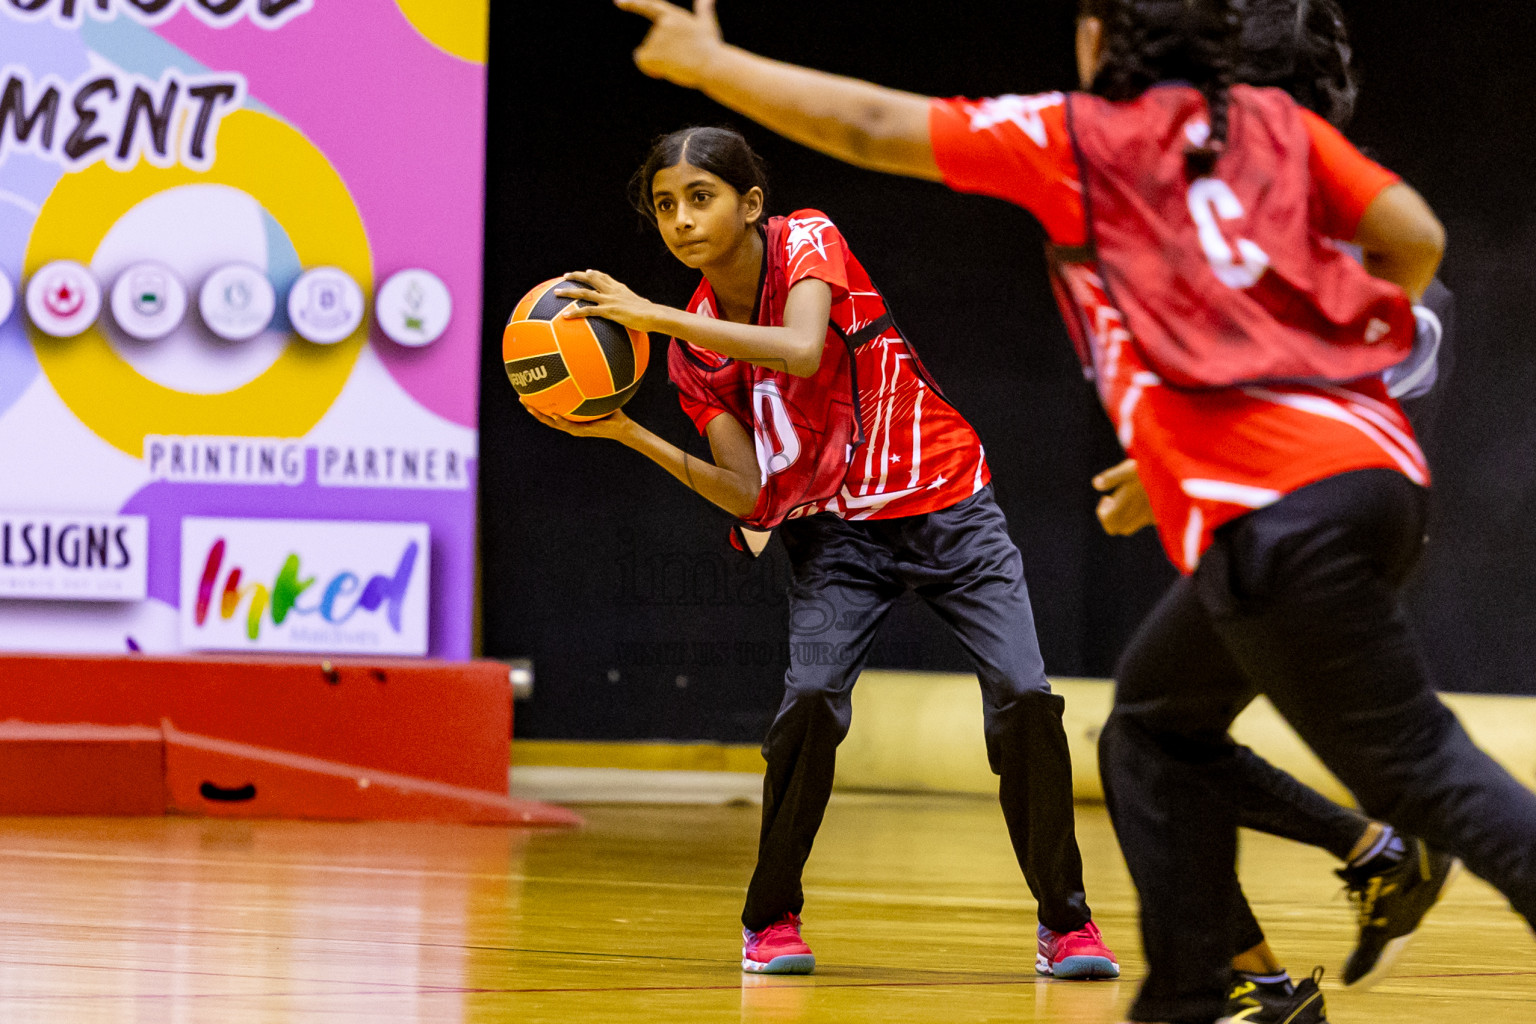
(1221,62)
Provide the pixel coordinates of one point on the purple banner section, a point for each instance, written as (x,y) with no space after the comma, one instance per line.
(449,514)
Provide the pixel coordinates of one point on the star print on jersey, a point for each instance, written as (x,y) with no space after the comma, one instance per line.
(807,232)
(1022,111)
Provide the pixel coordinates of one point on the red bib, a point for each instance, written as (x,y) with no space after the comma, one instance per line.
(805,428)
(1224,280)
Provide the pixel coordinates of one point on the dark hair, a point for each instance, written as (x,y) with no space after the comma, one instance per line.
(1151,41)
(722,152)
(1301,46)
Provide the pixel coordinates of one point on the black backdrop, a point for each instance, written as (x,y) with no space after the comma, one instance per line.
(644,623)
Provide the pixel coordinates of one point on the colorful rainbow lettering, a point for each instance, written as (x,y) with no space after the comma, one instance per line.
(282,598)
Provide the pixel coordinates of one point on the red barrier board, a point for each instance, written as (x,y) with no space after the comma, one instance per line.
(269,737)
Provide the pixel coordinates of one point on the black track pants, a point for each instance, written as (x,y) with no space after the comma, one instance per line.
(845,576)
(1302,596)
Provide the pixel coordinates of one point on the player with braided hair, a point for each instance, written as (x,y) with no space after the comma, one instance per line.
(1302,46)
(1238,352)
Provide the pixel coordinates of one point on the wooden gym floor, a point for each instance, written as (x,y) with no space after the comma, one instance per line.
(915,909)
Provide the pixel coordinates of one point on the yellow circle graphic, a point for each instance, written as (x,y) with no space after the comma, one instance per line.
(459,27)
(279,168)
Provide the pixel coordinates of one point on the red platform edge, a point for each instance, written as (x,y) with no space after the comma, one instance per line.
(336,739)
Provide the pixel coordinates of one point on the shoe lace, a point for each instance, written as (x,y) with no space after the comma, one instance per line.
(785,925)
(1364,895)
(1089,931)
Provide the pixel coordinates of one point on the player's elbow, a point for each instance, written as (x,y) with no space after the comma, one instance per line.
(1429,239)
(866,133)
(805,363)
(743,498)
(1419,236)
(1400,228)
(884,132)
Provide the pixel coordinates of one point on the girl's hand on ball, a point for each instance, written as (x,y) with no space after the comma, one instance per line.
(681,44)
(1124,509)
(613,426)
(610,299)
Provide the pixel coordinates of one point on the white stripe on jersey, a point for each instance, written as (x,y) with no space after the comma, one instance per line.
(917,434)
(874,436)
(890,421)
(981,460)
(1408,461)
(1194,530)
(1379,414)
(870,504)
(1140,381)
(1230,493)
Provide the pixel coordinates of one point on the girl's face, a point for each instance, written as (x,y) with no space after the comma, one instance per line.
(702,219)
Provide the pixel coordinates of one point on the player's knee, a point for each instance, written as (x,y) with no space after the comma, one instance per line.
(1028,726)
(820,703)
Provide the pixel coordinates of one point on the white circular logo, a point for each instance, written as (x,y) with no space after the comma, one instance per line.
(414,308)
(63,299)
(237,302)
(325,305)
(148,301)
(7,297)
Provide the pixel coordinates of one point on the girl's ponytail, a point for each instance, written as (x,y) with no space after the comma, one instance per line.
(1221,39)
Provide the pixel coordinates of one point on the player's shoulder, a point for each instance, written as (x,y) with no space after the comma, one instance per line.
(808,213)
(809,219)
(1037,117)
(810,230)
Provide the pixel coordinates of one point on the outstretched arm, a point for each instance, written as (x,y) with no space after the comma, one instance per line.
(731,482)
(857,122)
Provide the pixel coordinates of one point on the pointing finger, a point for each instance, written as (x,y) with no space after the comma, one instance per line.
(651,9)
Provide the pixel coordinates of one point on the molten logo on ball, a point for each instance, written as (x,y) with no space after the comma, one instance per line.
(578,368)
(522,378)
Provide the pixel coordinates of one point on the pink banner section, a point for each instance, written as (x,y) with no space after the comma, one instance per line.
(414,163)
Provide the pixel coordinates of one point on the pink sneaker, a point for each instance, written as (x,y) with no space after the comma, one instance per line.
(777,949)
(1080,954)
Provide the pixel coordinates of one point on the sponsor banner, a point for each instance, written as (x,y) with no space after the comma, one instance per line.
(62,557)
(269,460)
(304,585)
(231,296)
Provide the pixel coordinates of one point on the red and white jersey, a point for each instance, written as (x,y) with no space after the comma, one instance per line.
(918,454)
(1205,456)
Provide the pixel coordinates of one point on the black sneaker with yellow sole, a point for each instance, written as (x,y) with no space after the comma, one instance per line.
(1390,904)
(1253,1002)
